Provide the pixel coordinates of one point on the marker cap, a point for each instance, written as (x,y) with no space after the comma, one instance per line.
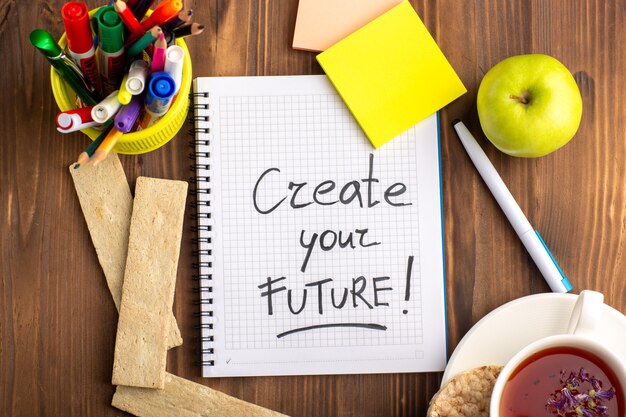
(174,57)
(137,75)
(127,116)
(65,120)
(111,30)
(106,109)
(83,112)
(123,95)
(44,41)
(77,28)
(162,86)
(161,89)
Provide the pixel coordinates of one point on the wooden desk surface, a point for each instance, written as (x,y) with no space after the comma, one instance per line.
(57,318)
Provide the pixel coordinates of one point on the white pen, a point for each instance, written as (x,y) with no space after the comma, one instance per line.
(531,239)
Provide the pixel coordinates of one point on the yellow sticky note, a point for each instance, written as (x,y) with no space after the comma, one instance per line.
(391,74)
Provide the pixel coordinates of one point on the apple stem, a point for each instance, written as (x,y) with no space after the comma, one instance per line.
(522,100)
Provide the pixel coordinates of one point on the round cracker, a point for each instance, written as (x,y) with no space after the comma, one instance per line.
(466,395)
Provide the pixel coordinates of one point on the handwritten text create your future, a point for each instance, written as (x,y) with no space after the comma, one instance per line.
(360,293)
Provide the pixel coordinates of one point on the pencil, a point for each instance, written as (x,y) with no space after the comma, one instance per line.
(188,30)
(158,55)
(106,146)
(184,17)
(84,157)
(143,42)
(129,19)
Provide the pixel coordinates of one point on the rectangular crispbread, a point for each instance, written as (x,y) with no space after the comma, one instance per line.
(107,206)
(184,398)
(149,282)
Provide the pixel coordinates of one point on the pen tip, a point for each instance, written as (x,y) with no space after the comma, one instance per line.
(456,121)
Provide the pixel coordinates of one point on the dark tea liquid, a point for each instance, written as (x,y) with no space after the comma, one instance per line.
(530,385)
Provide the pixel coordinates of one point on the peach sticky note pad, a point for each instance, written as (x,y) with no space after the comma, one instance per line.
(321,23)
(391,74)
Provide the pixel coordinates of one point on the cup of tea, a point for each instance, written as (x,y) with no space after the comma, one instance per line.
(570,374)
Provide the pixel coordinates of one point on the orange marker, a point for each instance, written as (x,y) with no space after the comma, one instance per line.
(106,146)
(165,11)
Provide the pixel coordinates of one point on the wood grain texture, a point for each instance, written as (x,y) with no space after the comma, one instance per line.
(57,319)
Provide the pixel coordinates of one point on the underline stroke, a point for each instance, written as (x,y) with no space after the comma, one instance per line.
(371,326)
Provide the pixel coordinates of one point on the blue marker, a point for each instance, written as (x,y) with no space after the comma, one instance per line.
(159,95)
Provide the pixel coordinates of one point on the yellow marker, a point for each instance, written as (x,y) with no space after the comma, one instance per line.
(106,146)
(123,95)
(391,74)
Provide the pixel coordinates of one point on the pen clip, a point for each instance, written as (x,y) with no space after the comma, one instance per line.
(76,69)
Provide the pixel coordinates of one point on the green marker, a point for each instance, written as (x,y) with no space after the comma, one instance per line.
(67,69)
(111,36)
(143,42)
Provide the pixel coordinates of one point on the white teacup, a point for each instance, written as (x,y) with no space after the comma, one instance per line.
(582,334)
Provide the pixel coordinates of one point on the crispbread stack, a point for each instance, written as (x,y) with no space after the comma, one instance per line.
(466,395)
(138,246)
(107,205)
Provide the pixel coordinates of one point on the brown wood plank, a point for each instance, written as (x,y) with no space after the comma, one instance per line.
(57,319)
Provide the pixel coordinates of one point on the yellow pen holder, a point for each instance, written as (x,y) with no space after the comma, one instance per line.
(145,140)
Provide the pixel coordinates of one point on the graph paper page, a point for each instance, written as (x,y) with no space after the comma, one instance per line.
(326,254)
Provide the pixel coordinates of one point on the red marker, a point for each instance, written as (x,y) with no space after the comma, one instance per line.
(80,42)
(77,119)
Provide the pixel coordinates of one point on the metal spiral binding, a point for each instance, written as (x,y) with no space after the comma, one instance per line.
(200,132)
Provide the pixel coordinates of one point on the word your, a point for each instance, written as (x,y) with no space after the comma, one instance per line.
(329,238)
(322,193)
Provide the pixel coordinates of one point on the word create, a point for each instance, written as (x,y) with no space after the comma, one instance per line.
(323,192)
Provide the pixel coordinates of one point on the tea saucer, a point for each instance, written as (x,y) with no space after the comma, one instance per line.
(510,327)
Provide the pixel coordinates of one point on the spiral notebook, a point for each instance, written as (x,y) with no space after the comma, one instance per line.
(318,254)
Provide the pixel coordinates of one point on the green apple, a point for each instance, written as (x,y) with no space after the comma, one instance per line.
(529,105)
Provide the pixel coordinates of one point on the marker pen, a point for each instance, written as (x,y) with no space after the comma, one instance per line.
(123,95)
(80,42)
(111,32)
(127,116)
(106,109)
(174,57)
(77,119)
(143,42)
(165,11)
(158,55)
(137,76)
(67,69)
(159,95)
